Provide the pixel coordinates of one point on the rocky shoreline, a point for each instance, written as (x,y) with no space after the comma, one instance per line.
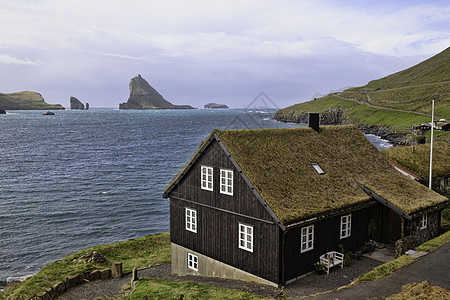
(337,117)
(394,137)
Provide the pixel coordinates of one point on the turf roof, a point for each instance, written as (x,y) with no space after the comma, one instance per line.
(278,163)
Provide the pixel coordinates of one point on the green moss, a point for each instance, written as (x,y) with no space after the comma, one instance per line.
(278,164)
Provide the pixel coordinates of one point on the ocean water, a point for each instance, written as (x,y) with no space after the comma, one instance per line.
(84,178)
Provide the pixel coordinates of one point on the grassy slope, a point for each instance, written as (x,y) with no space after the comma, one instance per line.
(166,289)
(25,100)
(410,90)
(140,253)
(358,113)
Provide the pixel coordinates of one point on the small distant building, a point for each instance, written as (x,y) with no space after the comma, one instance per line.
(263,205)
(424,127)
(446,127)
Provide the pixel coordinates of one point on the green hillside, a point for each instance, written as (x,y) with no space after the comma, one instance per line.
(398,100)
(26,101)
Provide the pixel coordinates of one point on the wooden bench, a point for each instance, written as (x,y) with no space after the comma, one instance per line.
(331,259)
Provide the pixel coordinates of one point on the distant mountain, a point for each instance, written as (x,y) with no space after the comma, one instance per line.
(26,101)
(397,101)
(144,96)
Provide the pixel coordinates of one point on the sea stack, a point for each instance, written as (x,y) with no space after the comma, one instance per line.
(76,104)
(144,96)
(2,111)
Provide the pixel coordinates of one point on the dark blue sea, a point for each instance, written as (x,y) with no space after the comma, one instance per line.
(84,178)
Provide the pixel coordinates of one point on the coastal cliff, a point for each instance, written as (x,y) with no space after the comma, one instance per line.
(26,101)
(144,96)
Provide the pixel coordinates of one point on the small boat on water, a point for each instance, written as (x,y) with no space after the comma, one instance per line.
(48,113)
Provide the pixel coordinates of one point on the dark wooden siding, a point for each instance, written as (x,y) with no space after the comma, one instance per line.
(218,216)
(326,238)
(243,200)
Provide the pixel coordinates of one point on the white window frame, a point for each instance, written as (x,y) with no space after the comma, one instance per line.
(207,181)
(423,222)
(245,237)
(191,219)
(192,261)
(307,238)
(346,226)
(226,182)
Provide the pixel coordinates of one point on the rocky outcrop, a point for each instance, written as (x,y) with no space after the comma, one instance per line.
(76,104)
(26,101)
(2,111)
(394,137)
(144,96)
(215,106)
(87,106)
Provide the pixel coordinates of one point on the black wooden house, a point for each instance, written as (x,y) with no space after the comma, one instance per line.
(264,204)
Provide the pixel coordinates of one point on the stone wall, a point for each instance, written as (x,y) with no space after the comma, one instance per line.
(419,236)
(72,281)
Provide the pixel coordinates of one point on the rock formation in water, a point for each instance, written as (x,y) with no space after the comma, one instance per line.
(143,96)
(2,111)
(215,106)
(76,104)
(26,101)
(87,106)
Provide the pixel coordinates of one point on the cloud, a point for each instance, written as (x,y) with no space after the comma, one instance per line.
(206,50)
(7,59)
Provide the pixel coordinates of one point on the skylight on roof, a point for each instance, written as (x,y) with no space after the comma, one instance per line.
(317,168)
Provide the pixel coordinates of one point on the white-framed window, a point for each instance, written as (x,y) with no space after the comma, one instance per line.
(191,220)
(307,239)
(423,222)
(226,182)
(207,178)
(346,226)
(192,261)
(246,237)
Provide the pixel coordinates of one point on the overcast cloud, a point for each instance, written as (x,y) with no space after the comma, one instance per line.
(195,52)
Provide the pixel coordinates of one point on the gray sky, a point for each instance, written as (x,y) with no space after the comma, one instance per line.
(195,52)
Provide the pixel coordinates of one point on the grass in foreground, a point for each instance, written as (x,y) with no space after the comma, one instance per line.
(140,253)
(166,289)
(387,269)
(423,290)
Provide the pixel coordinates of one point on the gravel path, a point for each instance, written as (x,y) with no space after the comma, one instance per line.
(308,285)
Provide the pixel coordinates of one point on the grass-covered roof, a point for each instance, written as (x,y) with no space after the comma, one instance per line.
(278,163)
(419,160)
